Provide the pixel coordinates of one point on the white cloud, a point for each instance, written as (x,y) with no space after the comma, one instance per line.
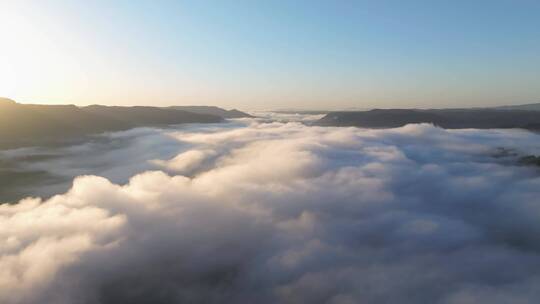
(276,212)
(187,162)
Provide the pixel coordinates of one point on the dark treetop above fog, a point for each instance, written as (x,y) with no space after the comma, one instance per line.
(26,124)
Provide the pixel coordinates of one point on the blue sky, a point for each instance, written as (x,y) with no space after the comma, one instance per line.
(272,54)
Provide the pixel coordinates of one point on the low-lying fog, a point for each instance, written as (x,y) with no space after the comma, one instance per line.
(272,210)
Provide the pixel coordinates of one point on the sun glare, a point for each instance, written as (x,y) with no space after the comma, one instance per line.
(33,61)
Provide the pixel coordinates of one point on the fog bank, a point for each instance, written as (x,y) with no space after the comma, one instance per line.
(278,212)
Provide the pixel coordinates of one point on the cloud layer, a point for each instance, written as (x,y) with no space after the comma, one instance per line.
(285,213)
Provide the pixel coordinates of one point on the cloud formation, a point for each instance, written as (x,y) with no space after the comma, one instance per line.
(286,213)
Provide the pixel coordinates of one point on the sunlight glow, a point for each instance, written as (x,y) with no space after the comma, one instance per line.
(36,60)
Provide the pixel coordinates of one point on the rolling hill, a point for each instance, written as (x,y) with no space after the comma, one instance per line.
(445,118)
(27,124)
(523,107)
(210,110)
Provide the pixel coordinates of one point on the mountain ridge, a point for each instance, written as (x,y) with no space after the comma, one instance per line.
(213,110)
(32,124)
(445,118)
(525,107)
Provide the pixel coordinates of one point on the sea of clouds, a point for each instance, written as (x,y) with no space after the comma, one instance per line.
(265,211)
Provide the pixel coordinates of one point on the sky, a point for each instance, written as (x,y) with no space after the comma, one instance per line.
(271,54)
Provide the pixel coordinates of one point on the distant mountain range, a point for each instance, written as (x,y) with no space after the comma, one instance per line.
(505,117)
(213,111)
(524,107)
(27,124)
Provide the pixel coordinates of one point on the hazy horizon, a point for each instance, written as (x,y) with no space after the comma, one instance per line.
(271,55)
(247,108)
